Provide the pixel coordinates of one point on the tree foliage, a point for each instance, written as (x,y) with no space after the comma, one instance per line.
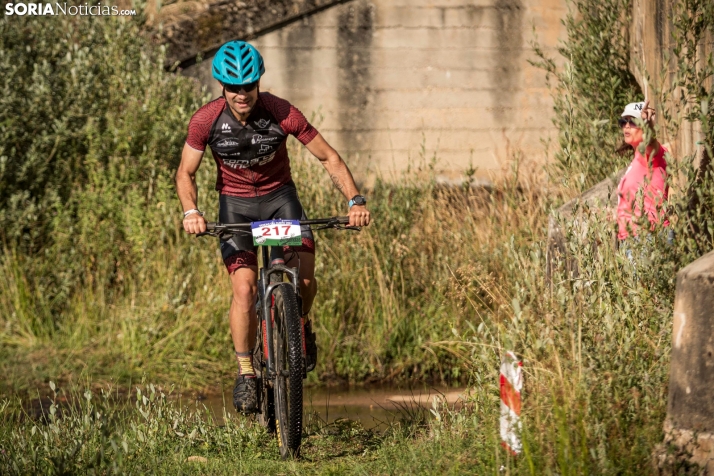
(591,89)
(91,127)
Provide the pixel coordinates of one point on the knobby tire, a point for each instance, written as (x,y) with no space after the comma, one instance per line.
(287,336)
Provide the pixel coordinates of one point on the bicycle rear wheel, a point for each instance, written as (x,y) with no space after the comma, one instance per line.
(287,338)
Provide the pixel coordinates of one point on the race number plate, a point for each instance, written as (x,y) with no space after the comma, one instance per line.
(276,233)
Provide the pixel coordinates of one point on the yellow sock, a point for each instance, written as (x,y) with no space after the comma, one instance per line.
(245,364)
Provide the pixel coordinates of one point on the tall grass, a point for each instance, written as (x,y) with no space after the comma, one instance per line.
(81,432)
(441,283)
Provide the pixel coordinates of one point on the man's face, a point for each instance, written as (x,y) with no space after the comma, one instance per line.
(242,98)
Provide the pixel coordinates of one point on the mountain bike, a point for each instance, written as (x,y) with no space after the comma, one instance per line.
(279,353)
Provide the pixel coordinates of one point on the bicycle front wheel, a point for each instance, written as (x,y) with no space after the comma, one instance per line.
(287,338)
(266,395)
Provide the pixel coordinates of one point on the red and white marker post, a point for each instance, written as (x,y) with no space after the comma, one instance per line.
(511,382)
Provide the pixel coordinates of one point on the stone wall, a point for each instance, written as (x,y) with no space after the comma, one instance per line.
(192,27)
(391,81)
(652,63)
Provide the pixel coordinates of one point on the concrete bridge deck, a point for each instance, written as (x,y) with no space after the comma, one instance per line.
(393,81)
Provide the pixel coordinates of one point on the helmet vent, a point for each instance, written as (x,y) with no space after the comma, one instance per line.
(237,62)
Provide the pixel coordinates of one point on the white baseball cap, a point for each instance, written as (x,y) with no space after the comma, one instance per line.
(634,109)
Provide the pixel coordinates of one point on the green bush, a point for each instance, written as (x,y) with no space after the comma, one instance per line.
(90,132)
(690,96)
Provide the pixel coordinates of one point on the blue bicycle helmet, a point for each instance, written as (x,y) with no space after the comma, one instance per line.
(237,63)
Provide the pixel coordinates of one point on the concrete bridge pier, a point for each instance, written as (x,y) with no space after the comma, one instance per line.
(689,428)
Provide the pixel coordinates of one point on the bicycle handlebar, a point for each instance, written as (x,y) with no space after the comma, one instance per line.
(217,229)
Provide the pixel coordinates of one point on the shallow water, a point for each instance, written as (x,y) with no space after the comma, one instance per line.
(374,407)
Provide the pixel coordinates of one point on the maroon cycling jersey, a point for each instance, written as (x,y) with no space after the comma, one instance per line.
(252,159)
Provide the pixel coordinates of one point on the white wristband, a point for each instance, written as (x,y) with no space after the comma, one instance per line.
(191,212)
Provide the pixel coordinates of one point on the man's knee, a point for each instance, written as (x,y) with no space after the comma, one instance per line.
(244,291)
(244,285)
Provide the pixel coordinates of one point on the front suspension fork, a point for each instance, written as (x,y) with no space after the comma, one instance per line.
(268,306)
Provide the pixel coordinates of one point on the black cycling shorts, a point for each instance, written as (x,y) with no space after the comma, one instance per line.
(237,249)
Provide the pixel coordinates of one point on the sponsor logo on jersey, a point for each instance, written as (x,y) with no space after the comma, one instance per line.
(262,123)
(257,139)
(243,164)
(225,127)
(264,148)
(237,163)
(227,143)
(266,159)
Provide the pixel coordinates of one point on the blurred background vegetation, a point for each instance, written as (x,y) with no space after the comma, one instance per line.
(99,283)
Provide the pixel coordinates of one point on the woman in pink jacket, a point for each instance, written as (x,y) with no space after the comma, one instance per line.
(643,188)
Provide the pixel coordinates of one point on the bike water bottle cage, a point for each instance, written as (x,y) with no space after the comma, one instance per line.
(237,63)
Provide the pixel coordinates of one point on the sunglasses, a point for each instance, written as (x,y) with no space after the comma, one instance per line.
(236,88)
(631,121)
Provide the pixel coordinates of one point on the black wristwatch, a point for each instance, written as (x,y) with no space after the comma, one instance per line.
(358,200)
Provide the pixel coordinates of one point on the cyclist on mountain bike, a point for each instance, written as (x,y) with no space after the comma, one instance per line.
(247,131)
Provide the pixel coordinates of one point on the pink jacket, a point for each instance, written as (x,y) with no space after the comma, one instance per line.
(642,179)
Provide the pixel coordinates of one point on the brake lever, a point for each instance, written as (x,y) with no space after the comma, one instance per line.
(347,227)
(210,233)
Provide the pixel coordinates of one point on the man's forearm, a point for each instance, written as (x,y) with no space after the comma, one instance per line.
(341,176)
(187,190)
